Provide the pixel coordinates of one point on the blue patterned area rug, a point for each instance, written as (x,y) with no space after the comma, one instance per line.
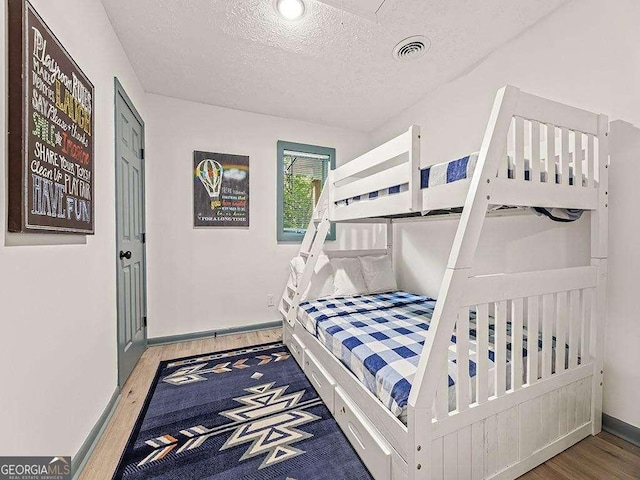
(246,414)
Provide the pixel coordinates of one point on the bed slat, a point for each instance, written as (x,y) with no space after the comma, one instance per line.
(575,321)
(562,317)
(517,326)
(533,329)
(577,159)
(534,174)
(500,346)
(462,360)
(482,355)
(503,165)
(550,158)
(519,148)
(564,156)
(548,320)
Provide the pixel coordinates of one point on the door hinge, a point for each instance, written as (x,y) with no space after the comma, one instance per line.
(144,238)
(142,153)
(144,321)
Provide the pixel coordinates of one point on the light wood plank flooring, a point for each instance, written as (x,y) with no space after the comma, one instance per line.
(603,457)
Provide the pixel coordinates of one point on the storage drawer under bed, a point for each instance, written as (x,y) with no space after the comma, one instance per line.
(320,379)
(368,443)
(297,349)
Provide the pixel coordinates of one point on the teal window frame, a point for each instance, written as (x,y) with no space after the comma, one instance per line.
(283,146)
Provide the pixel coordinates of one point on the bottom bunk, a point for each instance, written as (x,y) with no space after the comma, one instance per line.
(379,338)
(361,352)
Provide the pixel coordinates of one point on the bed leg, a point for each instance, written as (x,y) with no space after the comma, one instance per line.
(419,455)
(597,333)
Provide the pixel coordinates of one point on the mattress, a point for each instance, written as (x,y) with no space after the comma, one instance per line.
(461,169)
(380,337)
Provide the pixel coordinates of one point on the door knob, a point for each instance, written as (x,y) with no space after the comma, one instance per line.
(126,255)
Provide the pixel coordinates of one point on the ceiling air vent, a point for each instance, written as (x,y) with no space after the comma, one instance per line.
(412,48)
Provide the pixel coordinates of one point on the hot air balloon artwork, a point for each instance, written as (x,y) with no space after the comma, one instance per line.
(220,190)
(210,172)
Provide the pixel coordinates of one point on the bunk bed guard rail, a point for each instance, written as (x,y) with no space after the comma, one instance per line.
(388,166)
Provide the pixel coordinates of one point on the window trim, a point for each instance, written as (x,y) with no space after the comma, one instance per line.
(286,237)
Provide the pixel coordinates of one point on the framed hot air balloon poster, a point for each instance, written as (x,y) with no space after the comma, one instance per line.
(220,190)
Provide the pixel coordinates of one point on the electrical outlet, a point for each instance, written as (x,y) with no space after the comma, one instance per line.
(270,300)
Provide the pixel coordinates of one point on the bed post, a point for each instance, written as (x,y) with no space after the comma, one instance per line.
(415,174)
(599,247)
(389,246)
(433,360)
(329,184)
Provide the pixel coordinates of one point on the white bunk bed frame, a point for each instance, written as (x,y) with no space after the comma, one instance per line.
(506,434)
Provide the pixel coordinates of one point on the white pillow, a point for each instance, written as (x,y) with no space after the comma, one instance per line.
(294,265)
(321,284)
(348,279)
(378,274)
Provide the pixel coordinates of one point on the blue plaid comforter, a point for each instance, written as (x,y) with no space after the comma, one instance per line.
(380,337)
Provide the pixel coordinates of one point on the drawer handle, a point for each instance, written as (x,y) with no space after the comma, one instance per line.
(356,434)
(315,378)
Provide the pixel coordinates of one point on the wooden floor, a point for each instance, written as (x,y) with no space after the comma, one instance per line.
(603,457)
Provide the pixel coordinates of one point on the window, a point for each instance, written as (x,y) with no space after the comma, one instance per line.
(302,171)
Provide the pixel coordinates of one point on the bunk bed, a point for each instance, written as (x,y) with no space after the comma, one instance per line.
(500,372)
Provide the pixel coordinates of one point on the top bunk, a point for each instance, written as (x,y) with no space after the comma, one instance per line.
(535,153)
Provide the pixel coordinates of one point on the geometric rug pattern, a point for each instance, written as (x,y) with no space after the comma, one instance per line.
(244,414)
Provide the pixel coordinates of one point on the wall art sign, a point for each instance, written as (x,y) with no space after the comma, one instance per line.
(220,190)
(51,131)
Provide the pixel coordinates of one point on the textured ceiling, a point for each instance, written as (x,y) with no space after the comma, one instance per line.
(330,67)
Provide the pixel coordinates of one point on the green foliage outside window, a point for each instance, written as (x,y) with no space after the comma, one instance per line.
(298,201)
(302,172)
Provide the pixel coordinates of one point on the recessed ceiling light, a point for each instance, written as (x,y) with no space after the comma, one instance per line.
(290,9)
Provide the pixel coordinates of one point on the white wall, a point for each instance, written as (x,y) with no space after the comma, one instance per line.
(622,376)
(586,55)
(58,299)
(508,244)
(206,279)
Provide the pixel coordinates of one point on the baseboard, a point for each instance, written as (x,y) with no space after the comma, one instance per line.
(621,429)
(187,337)
(80,459)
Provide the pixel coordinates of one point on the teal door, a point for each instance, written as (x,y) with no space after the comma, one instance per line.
(130,237)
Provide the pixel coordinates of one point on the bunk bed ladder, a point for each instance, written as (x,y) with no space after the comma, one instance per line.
(310,250)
